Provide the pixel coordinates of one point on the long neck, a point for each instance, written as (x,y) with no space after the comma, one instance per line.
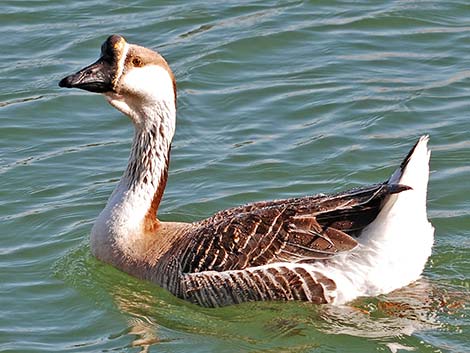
(130,214)
(145,178)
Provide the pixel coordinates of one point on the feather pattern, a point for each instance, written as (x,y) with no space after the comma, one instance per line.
(299,230)
(258,251)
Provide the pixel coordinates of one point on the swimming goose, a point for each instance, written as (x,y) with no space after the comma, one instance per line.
(323,248)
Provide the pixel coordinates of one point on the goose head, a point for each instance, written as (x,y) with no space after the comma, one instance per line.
(135,80)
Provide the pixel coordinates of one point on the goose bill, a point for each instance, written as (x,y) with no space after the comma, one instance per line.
(97,77)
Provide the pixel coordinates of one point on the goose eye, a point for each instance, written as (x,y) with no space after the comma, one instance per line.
(136,62)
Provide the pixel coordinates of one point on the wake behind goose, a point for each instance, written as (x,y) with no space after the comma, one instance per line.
(322,248)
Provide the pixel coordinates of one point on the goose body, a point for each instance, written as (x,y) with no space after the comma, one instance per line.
(322,248)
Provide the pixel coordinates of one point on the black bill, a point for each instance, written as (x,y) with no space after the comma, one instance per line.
(97,77)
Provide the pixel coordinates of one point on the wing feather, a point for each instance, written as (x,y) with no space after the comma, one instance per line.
(292,230)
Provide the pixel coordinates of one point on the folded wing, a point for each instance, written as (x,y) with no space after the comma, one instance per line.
(292,230)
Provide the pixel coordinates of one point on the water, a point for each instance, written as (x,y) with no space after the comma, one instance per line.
(276,99)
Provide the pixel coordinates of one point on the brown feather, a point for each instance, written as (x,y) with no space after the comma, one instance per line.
(298,230)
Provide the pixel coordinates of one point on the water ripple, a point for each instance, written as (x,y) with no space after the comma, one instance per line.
(275,100)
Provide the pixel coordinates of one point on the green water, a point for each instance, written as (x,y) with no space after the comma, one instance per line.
(276,99)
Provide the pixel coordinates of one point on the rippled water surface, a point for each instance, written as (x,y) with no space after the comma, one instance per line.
(276,99)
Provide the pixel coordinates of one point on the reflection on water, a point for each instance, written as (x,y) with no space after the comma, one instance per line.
(402,312)
(153,314)
(143,333)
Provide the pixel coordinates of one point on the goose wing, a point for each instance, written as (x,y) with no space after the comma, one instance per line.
(292,230)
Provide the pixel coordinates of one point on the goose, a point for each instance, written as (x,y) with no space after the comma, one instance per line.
(325,248)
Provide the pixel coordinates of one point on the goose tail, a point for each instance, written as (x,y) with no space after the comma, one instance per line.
(410,205)
(400,239)
(414,170)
